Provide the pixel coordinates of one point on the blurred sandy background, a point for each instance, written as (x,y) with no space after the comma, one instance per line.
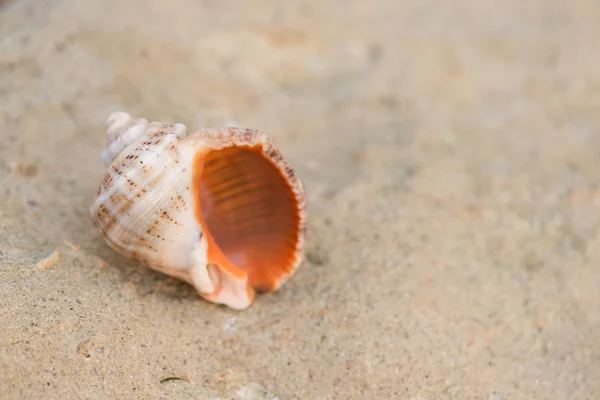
(449,150)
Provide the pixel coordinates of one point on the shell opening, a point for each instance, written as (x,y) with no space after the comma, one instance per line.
(249,213)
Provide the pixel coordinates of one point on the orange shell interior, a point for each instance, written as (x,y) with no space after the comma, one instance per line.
(248,213)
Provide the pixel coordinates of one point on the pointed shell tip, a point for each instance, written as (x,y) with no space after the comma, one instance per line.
(116,122)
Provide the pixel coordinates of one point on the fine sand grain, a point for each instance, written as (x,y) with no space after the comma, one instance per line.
(449,150)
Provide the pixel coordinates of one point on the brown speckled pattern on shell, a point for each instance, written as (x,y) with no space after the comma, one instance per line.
(137,176)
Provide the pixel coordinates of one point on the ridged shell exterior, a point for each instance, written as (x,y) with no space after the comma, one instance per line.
(145,208)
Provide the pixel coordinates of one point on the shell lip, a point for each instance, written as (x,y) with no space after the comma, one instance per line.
(281,269)
(230,291)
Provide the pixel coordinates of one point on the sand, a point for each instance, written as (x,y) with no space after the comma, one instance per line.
(449,151)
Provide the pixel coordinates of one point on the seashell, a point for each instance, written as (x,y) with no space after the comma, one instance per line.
(219,208)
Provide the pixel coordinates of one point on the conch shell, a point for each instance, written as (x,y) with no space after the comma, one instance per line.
(219,208)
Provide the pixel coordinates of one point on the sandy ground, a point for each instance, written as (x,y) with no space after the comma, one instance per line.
(449,150)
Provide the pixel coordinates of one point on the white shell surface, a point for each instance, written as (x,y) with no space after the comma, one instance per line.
(143,205)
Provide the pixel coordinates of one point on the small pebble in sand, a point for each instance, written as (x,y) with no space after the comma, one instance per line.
(49,261)
(25,169)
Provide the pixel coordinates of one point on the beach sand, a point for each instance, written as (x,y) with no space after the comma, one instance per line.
(449,152)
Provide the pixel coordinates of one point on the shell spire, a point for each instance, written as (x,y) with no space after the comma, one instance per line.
(219,208)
